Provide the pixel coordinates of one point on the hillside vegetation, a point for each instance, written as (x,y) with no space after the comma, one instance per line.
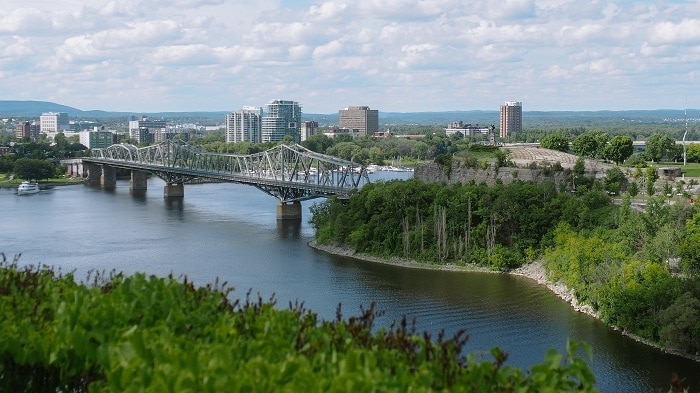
(147,334)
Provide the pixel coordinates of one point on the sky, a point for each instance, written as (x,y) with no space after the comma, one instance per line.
(391,55)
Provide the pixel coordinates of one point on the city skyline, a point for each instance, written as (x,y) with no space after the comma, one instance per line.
(394,55)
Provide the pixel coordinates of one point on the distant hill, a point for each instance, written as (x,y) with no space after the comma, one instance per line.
(530,118)
(36,108)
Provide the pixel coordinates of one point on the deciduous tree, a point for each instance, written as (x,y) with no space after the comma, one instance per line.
(555,142)
(619,149)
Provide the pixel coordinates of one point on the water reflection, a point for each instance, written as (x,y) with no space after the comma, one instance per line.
(139,195)
(289,229)
(174,203)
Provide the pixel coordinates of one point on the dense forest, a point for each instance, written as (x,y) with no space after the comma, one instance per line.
(639,270)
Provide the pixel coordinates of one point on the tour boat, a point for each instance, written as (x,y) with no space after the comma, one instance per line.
(27,188)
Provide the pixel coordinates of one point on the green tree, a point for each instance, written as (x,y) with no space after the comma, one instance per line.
(689,246)
(681,324)
(650,176)
(555,142)
(692,152)
(590,144)
(658,146)
(619,149)
(614,179)
(318,143)
(33,169)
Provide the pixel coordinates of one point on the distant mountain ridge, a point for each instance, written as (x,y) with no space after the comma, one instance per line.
(36,108)
(10,109)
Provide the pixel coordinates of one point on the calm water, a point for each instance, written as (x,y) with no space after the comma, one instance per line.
(230,231)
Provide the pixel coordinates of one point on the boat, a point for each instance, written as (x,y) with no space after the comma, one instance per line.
(27,188)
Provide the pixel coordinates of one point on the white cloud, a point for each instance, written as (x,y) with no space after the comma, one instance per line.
(686,31)
(214,54)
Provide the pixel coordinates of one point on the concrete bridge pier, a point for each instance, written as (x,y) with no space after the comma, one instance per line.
(109,176)
(103,175)
(289,211)
(138,181)
(74,167)
(174,190)
(94,173)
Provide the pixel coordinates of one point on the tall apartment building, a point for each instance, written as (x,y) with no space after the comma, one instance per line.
(511,119)
(308,128)
(360,118)
(53,122)
(244,125)
(22,130)
(281,118)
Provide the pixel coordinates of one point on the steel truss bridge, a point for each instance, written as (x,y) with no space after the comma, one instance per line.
(290,173)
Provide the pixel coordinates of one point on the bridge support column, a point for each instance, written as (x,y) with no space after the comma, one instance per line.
(139,181)
(289,211)
(94,174)
(174,190)
(108,179)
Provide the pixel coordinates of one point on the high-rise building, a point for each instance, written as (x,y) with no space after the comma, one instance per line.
(360,118)
(53,122)
(511,119)
(22,130)
(281,118)
(244,125)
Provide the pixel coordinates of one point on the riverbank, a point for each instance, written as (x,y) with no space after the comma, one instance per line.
(45,183)
(533,270)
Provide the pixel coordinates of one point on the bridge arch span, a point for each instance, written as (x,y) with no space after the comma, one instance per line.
(291,173)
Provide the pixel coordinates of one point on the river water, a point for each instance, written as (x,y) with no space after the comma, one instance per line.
(230,232)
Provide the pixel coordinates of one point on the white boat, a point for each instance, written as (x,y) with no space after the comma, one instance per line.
(27,188)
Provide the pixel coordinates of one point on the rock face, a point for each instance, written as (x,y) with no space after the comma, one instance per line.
(432,172)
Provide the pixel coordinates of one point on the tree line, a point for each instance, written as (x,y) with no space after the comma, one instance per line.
(40,160)
(618,148)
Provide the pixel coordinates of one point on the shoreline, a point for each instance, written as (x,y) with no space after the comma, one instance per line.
(532,270)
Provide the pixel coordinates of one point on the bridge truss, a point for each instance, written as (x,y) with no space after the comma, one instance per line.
(287,172)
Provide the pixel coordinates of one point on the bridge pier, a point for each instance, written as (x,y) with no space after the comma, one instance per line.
(174,190)
(289,211)
(104,175)
(138,181)
(109,176)
(94,173)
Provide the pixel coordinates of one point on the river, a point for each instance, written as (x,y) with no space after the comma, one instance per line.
(230,232)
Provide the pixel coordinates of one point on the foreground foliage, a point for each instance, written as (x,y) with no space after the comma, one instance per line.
(141,333)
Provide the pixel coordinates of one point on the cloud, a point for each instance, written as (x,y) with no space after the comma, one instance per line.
(685,32)
(326,53)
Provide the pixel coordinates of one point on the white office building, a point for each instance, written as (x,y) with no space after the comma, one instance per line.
(245,125)
(53,122)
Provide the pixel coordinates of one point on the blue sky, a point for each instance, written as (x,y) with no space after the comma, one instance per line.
(392,55)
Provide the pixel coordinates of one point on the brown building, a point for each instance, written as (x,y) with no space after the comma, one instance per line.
(360,118)
(511,119)
(23,130)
